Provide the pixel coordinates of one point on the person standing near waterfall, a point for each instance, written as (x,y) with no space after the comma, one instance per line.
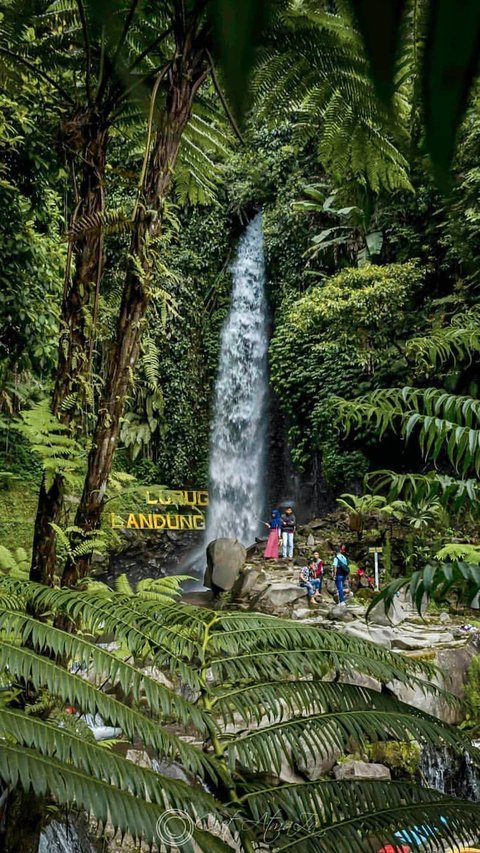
(271,550)
(288,532)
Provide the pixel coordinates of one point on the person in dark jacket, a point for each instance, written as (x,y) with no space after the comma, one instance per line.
(288,531)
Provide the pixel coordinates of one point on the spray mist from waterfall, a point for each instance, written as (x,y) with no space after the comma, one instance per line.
(239,429)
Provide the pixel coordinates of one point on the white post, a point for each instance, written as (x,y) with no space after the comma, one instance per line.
(377,571)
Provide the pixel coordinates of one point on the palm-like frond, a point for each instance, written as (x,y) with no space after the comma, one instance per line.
(446,423)
(458,341)
(438,581)
(264,690)
(324,816)
(68,784)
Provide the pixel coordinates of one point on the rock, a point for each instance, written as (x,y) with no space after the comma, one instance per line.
(317,764)
(361,770)
(453,665)
(303,613)
(225,559)
(281,594)
(380,636)
(245,582)
(424,640)
(395,615)
(172,770)
(444,617)
(310,540)
(358,679)
(139,757)
(288,774)
(157,675)
(72,836)
(340,613)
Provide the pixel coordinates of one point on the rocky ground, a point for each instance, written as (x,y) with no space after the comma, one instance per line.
(242,578)
(272,586)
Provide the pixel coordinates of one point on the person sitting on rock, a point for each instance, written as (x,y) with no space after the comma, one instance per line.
(288,530)
(318,567)
(341,571)
(310,584)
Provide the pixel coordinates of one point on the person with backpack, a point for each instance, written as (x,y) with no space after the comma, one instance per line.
(341,571)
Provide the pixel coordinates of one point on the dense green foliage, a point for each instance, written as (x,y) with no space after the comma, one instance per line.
(136,141)
(342,337)
(249,703)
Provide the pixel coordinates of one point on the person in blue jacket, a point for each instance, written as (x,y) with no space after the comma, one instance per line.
(341,571)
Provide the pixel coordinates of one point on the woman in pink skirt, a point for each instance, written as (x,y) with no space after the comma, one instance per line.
(271,550)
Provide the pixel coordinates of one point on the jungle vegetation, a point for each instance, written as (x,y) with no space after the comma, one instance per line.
(136,140)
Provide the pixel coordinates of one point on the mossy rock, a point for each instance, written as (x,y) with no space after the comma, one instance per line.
(402,757)
(364,594)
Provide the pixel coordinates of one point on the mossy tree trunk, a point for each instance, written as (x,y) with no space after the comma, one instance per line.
(85,140)
(181,81)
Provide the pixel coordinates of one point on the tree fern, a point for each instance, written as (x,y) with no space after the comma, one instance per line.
(323,816)
(262,693)
(314,72)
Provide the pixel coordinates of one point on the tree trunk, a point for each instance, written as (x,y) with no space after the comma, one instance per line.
(186,74)
(86,136)
(25,816)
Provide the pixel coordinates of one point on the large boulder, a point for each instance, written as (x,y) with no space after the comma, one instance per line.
(225,559)
(317,764)
(361,770)
(361,631)
(339,613)
(394,615)
(280,595)
(452,670)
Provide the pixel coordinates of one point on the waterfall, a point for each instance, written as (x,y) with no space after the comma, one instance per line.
(238,434)
(450,773)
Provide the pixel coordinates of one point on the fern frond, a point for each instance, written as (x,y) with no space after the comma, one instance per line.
(347,816)
(68,784)
(42,672)
(459,341)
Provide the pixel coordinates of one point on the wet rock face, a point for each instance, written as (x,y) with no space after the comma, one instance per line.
(225,560)
(71,837)
(147,556)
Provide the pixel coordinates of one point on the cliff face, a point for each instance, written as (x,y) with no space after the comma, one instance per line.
(306,490)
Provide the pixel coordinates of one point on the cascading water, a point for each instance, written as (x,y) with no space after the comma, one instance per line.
(449,773)
(238,436)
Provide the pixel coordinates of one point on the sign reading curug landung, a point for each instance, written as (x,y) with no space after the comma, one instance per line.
(159,516)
